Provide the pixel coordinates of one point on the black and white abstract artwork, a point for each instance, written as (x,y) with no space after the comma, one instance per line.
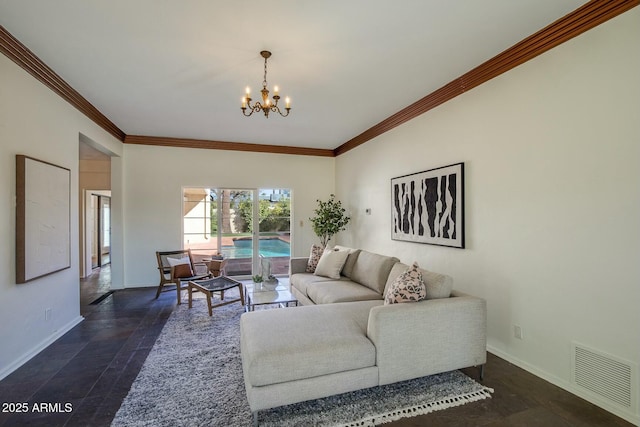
(427,207)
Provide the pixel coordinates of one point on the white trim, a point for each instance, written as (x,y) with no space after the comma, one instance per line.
(41,346)
(255,233)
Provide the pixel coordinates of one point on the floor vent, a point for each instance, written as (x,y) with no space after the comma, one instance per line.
(101,298)
(604,375)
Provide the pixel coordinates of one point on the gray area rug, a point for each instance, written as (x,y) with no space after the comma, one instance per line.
(193,377)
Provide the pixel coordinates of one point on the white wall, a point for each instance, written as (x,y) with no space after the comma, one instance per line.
(552,164)
(36,122)
(154,177)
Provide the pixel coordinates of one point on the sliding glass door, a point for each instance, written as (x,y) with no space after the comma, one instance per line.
(221,221)
(274,231)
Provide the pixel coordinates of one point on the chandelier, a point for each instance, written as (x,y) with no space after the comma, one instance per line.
(267,104)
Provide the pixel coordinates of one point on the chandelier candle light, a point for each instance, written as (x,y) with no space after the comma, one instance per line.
(267,104)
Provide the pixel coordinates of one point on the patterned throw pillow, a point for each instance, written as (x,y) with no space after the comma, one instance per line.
(314,258)
(408,287)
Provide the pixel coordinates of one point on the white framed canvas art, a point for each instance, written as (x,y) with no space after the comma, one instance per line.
(43,197)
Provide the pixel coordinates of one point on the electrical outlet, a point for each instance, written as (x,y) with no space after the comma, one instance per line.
(47,314)
(517,332)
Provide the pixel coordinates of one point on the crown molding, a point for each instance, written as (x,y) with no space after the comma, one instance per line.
(224,145)
(21,55)
(571,25)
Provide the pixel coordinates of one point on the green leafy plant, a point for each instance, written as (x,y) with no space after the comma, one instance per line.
(257,278)
(330,219)
(273,216)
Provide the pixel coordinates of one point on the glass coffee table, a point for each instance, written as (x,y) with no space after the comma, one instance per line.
(281,295)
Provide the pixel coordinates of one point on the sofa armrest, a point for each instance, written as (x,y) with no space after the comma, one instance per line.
(417,339)
(298,265)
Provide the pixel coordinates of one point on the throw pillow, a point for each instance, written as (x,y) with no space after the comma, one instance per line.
(182,271)
(408,287)
(347,270)
(331,263)
(314,257)
(181,267)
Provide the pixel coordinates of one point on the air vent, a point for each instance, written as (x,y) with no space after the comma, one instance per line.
(606,376)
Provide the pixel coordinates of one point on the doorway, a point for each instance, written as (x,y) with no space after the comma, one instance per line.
(97,165)
(100,230)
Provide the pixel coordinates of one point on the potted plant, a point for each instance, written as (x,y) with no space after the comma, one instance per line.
(257,281)
(329,219)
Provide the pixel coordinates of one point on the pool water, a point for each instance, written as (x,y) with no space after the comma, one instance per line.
(268,248)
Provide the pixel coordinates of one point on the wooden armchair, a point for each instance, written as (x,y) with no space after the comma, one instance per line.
(177,267)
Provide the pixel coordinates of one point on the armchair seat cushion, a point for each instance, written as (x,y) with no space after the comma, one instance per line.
(197,277)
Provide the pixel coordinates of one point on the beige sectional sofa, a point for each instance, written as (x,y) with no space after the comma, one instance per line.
(344,338)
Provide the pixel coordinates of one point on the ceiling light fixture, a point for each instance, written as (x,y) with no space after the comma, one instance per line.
(267,104)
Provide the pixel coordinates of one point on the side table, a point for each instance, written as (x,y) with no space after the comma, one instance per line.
(216,266)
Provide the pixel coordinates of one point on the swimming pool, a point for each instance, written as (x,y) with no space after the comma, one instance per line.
(243,248)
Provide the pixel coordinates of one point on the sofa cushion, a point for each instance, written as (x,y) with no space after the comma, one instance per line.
(301,281)
(438,285)
(303,342)
(372,270)
(347,270)
(340,291)
(408,287)
(314,257)
(331,263)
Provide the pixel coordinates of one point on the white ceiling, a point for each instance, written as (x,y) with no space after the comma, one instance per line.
(178,68)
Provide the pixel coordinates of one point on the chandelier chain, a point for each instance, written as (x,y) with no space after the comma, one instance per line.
(264,80)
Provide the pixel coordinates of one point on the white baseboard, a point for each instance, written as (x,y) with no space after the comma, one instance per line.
(38,348)
(565,385)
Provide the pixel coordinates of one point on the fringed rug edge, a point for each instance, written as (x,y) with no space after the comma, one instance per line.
(423,408)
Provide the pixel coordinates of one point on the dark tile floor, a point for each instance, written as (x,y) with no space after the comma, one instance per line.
(93,365)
